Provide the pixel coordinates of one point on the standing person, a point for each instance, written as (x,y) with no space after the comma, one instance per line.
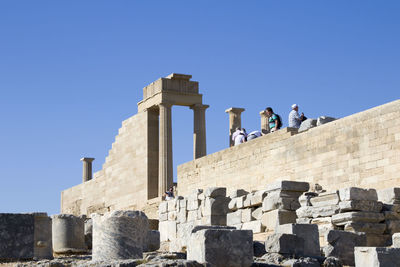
(294,118)
(274,120)
(235,133)
(169,194)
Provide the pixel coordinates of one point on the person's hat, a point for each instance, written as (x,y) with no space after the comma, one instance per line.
(294,106)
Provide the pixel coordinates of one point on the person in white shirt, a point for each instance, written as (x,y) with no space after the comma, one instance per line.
(241,137)
(294,118)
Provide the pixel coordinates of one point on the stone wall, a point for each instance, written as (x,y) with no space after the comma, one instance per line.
(123,182)
(359,150)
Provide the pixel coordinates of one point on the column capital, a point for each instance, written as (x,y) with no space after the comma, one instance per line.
(263,112)
(87,159)
(199,106)
(166,105)
(235,110)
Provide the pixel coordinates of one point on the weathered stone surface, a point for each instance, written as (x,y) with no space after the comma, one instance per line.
(309,232)
(315,212)
(303,220)
(391,215)
(376,256)
(325,199)
(167,230)
(254,226)
(232,205)
(378,240)
(247,200)
(396,240)
(274,201)
(258,248)
(391,207)
(193,203)
(389,195)
(237,193)
(357,216)
(234,218)
(182,203)
(172,215)
(373,228)
(341,245)
(288,186)
(324,119)
(246,215)
(307,124)
(215,192)
(360,205)
(163,207)
(257,213)
(68,234)
(163,217)
(119,235)
(221,247)
(192,215)
(332,262)
(216,206)
(214,220)
(152,241)
(88,229)
(25,236)
(284,244)
(257,198)
(301,262)
(392,226)
(171,205)
(356,193)
(239,202)
(274,218)
(305,198)
(182,216)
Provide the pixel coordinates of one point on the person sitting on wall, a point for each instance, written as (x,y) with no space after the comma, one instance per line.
(169,194)
(241,137)
(236,133)
(274,120)
(294,118)
(253,135)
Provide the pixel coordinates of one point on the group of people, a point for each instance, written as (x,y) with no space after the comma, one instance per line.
(274,123)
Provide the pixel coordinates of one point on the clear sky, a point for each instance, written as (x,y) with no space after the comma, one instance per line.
(72,71)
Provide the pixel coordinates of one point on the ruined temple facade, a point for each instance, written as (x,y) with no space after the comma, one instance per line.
(360,150)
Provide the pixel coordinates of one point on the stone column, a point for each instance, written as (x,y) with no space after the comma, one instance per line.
(87,169)
(165,179)
(234,121)
(68,234)
(199,130)
(264,122)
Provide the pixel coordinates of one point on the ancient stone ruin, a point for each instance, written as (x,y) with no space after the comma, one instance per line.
(327,194)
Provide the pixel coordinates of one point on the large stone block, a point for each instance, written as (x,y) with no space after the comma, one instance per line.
(163,217)
(288,186)
(389,195)
(357,216)
(214,220)
(163,207)
(88,230)
(172,215)
(356,193)
(391,215)
(288,244)
(378,240)
(232,205)
(373,228)
(214,192)
(392,226)
(68,233)
(181,216)
(221,247)
(324,226)
(341,245)
(171,205)
(274,201)
(305,198)
(167,230)
(216,206)
(307,124)
(234,218)
(237,193)
(273,218)
(254,226)
(325,199)
(152,241)
(246,215)
(119,235)
(396,240)
(240,202)
(257,213)
(309,232)
(258,197)
(315,212)
(192,215)
(360,205)
(376,256)
(25,236)
(247,200)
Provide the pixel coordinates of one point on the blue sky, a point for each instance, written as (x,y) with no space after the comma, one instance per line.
(72,71)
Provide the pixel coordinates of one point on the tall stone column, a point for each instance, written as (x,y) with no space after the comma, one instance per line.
(264,122)
(234,121)
(87,169)
(165,179)
(199,130)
